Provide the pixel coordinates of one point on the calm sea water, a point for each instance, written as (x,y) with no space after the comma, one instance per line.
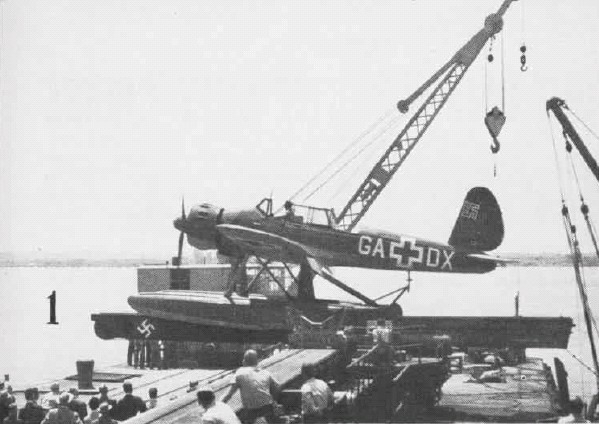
(32,351)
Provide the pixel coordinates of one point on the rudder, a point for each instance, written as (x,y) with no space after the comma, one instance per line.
(479,226)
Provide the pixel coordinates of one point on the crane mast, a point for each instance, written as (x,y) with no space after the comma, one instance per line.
(556,106)
(451,74)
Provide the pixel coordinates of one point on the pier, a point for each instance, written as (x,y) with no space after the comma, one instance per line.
(367,387)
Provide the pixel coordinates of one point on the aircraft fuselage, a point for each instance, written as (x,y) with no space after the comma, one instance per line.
(280,238)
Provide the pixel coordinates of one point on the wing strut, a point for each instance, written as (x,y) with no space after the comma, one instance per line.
(325,274)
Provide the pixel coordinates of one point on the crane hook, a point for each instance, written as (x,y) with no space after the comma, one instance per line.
(495,146)
(494,122)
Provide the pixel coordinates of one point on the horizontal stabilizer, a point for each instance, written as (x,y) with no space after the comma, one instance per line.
(490,258)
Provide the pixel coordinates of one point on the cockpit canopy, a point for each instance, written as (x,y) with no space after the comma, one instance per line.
(300,213)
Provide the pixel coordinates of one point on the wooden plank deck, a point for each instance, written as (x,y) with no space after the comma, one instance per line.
(285,366)
(526,392)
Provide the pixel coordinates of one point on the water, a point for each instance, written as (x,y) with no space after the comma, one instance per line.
(32,351)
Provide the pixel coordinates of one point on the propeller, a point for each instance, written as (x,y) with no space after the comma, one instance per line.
(181,234)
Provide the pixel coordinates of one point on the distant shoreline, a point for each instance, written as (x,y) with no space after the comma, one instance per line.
(522,260)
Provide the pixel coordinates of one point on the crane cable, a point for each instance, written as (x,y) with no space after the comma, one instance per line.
(556,159)
(352,144)
(495,146)
(347,180)
(589,129)
(345,164)
(584,208)
(571,228)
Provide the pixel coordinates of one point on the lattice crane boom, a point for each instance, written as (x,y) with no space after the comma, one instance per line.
(451,74)
(556,106)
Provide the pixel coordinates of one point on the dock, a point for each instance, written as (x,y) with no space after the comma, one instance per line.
(425,389)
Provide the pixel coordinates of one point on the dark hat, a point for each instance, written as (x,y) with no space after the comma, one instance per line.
(105,407)
(205,395)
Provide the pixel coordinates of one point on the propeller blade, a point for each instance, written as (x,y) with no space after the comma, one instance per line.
(183,208)
(180,251)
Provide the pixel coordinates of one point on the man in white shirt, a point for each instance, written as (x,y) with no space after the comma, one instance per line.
(215,412)
(317,397)
(50,399)
(257,388)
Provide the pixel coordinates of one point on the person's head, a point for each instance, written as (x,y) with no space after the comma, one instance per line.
(250,358)
(205,396)
(153,392)
(74,391)
(576,405)
(104,408)
(308,370)
(28,394)
(1,385)
(12,410)
(103,389)
(94,403)
(55,388)
(9,389)
(127,387)
(36,393)
(64,399)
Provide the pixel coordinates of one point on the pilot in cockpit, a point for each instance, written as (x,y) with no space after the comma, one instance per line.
(289,210)
(290,214)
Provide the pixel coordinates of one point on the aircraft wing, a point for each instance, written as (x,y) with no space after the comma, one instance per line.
(265,244)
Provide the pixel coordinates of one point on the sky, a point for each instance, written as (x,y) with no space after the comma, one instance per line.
(112,111)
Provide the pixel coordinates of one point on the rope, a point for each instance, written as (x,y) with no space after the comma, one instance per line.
(522,22)
(575,177)
(581,362)
(345,183)
(556,158)
(486,88)
(583,123)
(350,145)
(503,72)
(351,159)
(577,259)
(570,235)
(592,231)
(590,227)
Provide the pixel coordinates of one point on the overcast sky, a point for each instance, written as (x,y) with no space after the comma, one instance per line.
(112,110)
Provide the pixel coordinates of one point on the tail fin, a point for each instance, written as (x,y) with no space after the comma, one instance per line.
(479,226)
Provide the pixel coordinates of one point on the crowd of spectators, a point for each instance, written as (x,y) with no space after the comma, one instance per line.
(56,407)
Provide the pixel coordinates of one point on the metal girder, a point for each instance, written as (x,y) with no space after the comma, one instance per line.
(399,150)
(556,105)
(401,147)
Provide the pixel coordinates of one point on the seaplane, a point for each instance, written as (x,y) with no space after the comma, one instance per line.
(311,238)
(316,239)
